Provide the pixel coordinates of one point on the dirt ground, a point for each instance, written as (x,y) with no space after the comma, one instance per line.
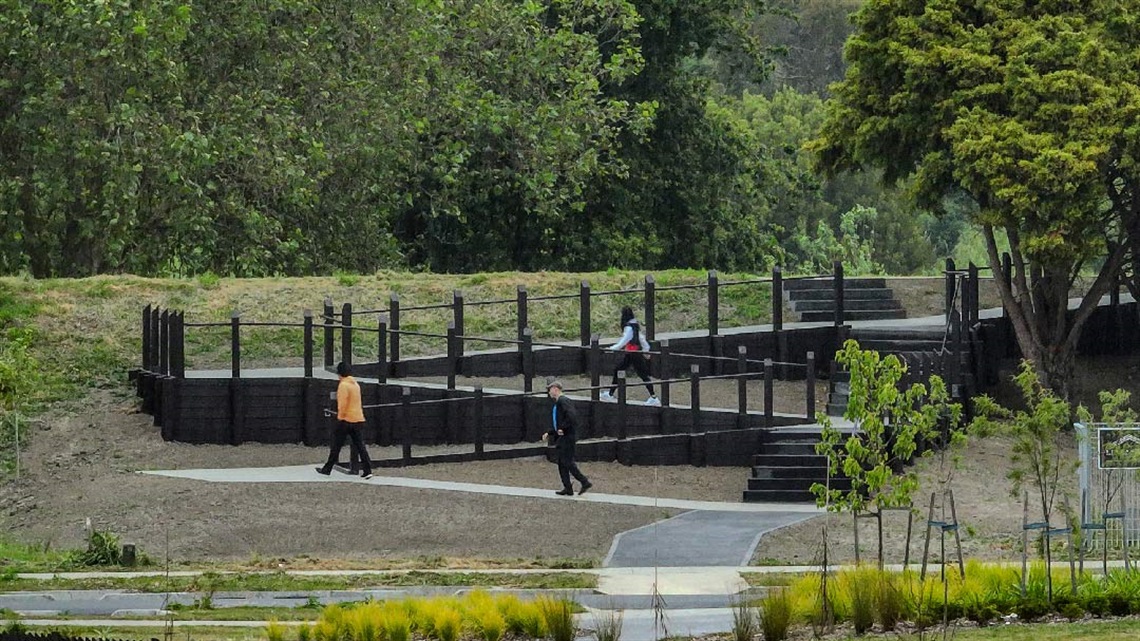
(989,514)
(82,464)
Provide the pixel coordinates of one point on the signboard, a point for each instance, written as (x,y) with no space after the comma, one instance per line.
(1118,448)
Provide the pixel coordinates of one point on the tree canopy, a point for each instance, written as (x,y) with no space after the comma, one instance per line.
(1030,108)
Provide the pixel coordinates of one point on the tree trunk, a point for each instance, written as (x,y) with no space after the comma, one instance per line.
(1038,307)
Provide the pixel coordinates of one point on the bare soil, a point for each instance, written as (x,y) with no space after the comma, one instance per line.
(989,514)
(83,466)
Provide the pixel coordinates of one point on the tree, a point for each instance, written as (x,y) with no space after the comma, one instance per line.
(892,426)
(1037,456)
(1030,108)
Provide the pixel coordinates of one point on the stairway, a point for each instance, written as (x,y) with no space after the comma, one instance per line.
(863,299)
(786,469)
(909,344)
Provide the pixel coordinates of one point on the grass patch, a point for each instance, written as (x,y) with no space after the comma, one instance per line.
(279,581)
(770,579)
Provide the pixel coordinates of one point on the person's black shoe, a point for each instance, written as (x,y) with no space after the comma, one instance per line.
(585,486)
(321,470)
(565,492)
(366,476)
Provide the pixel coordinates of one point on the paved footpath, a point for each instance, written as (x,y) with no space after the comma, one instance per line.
(688,565)
(708,533)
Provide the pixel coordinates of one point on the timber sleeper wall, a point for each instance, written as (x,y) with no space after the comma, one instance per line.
(291,410)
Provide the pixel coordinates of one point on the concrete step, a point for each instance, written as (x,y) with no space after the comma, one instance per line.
(854,305)
(778,496)
(803,484)
(834,409)
(848,294)
(848,315)
(840,388)
(827,283)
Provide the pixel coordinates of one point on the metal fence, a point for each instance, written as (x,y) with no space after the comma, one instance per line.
(1109,475)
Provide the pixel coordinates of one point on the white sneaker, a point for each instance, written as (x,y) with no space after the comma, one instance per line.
(653,401)
(607,397)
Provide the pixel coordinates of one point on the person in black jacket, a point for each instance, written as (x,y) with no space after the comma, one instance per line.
(563,435)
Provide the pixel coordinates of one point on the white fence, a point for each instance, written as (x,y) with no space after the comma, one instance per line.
(1109,476)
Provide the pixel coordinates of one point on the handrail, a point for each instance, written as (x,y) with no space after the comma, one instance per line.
(434,401)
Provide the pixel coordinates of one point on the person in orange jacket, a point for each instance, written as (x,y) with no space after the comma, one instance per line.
(349,422)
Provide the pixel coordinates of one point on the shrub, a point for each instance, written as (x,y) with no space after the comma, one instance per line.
(396,625)
(889,603)
(558,617)
(304,632)
(981,611)
(862,595)
(446,624)
(776,615)
(102,549)
(364,621)
(1118,605)
(1072,611)
(524,619)
(274,631)
(1032,608)
(488,623)
(608,624)
(744,624)
(1095,604)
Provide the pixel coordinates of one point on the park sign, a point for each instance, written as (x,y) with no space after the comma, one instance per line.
(1119,447)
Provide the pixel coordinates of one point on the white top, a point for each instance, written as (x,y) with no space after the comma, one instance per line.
(627,336)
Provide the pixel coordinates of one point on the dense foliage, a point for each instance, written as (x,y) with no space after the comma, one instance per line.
(1029,110)
(297,137)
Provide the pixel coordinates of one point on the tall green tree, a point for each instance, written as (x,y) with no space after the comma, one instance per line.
(1029,107)
(690,194)
(252,138)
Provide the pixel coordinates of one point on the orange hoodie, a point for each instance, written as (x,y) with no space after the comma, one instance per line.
(348,405)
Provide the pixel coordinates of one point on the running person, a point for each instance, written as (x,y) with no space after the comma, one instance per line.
(634,350)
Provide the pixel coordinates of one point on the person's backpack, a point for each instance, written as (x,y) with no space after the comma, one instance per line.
(634,345)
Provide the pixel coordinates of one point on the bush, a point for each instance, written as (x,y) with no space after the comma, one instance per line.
(1118,605)
(889,603)
(447,624)
(608,624)
(489,623)
(863,601)
(274,631)
(1095,604)
(558,616)
(1031,609)
(981,611)
(776,614)
(1072,611)
(396,626)
(523,619)
(102,549)
(744,624)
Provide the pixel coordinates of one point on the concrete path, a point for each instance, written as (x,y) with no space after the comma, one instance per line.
(306,474)
(698,538)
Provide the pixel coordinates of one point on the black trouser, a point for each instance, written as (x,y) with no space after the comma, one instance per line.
(345,430)
(640,365)
(566,465)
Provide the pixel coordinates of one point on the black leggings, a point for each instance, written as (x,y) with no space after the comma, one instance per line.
(640,365)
